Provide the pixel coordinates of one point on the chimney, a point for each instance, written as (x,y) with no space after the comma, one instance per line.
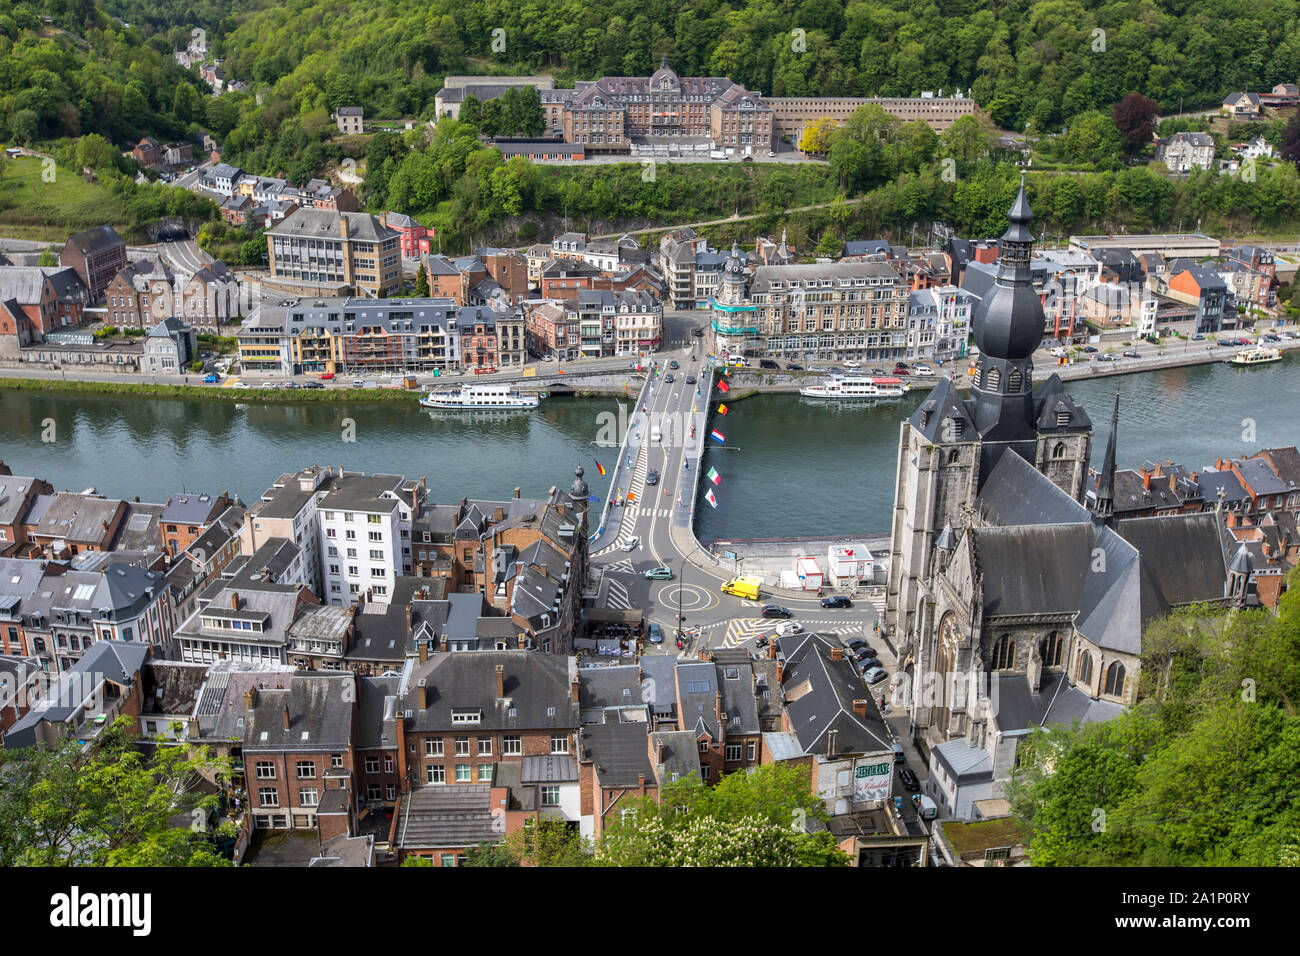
(286,716)
(780,672)
(860,708)
(837,653)
(410,614)
(574,694)
(551,493)
(463,503)
(424,651)
(1146,479)
(415,499)
(771,650)
(516,492)
(424,694)
(343,227)
(234,600)
(501,681)
(498,514)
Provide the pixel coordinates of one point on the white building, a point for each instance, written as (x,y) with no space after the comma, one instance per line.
(288,509)
(365,537)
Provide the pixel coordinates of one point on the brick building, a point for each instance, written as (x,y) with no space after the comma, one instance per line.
(96,255)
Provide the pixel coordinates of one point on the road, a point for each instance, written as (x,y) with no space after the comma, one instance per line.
(654,531)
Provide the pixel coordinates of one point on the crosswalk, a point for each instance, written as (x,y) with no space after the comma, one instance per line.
(743,629)
(628,512)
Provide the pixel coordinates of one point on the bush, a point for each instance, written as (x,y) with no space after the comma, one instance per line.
(134,333)
(107,331)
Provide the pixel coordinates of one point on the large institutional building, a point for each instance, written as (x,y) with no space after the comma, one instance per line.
(1015,598)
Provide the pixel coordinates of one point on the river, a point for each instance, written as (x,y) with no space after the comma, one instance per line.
(789,467)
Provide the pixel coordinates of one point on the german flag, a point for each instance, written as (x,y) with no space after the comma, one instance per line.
(600,468)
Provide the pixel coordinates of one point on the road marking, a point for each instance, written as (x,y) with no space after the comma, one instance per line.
(616,595)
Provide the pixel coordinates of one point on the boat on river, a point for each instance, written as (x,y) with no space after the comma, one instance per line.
(848,388)
(1258,355)
(494,395)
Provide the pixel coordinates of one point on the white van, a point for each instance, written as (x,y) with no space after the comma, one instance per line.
(654,433)
(925,807)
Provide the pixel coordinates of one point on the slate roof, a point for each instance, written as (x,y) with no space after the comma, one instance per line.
(619,753)
(1006,497)
(320,715)
(452,817)
(324,224)
(377,712)
(96,240)
(676,755)
(964,763)
(819,693)
(116,661)
(188,509)
(72,517)
(534,682)
(139,530)
(601,687)
(549,768)
(1057,704)
(13,497)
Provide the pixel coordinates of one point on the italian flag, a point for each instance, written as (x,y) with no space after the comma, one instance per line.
(710,499)
(718,436)
(714,477)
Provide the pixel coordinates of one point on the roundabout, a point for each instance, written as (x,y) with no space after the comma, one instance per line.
(693,597)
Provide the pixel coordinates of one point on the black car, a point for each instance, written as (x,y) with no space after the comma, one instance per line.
(877,371)
(865,664)
(836,600)
(312,385)
(858,644)
(863,651)
(907,777)
(669,378)
(673,365)
(1090,349)
(652,478)
(775,610)
(768,363)
(690,379)
(698,332)
(794,368)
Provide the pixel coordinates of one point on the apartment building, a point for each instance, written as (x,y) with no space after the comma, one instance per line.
(36,301)
(288,510)
(141,294)
(317,251)
(490,340)
(791,115)
(837,311)
(365,536)
(1184,152)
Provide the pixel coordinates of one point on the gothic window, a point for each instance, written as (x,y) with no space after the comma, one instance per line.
(1058,450)
(1013,381)
(954,456)
(945,664)
(1115,680)
(993,379)
(1052,650)
(1004,653)
(1084,673)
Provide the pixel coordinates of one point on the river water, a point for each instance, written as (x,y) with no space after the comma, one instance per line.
(789,467)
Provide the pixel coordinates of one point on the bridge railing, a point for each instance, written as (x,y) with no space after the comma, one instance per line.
(619,466)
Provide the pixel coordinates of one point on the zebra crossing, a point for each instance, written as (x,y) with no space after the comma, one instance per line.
(629,512)
(742,629)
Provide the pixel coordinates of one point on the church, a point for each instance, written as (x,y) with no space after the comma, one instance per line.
(1015,599)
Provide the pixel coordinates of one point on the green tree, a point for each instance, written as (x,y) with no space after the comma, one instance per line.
(1092,140)
(109,804)
(421,283)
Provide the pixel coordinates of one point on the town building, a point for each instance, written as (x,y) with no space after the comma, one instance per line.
(36,302)
(1184,152)
(324,252)
(169,348)
(350,120)
(96,255)
(447,101)
(141,295)
(794,114)
(413,239)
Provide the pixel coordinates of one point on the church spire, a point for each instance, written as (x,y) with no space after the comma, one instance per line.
(1103,507)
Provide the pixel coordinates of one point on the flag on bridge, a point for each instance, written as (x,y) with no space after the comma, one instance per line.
(600,468)
(723,387)
(710,499)
(719,437)
(722,409)
(714,477)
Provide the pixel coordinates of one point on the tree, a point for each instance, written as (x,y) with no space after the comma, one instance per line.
(1135,118)
(47,258)
(1092,140)
(749,819)
(421,283)
(109,804)
(1289,148)
(816,138)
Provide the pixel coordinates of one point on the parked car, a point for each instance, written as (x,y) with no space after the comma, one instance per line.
(771,153)
(326,376)
(907,776)
(659,574)
(768,363)
(794,368)
(1106,358)
(656,633)
(212,378)
(869,663)
(652,478)
(877,371)
(875,675)
(311,385)
(858,643)
(269,385)
(1090,349)
(1289,335)
(1132,353)
(863,652)
(837,600)
(786,628)
(631,544)
(359,383)
(775,610)
(1226,343)
(1198,337)
(922,370)
(852,364)
(1271,338)
(817,368)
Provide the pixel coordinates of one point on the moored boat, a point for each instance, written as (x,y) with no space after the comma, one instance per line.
(1256,355)
(487,396)
(856,388)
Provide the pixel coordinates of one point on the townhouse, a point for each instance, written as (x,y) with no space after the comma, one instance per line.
(96,255)
(91,695)
(186,517)
(207,556)
(365,530)
(298,751)
(490,339)
(288,510)
(16,496)
(35,302)
(413,239)
(170,347)
(65,524)
(141,294)
(1184,152)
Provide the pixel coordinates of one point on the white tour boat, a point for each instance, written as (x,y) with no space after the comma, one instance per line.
(847,388)
(1258,355)
(488,395)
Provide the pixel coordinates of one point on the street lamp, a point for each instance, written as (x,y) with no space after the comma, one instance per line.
(681,574)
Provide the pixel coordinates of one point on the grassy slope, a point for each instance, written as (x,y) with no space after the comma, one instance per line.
(31,208)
